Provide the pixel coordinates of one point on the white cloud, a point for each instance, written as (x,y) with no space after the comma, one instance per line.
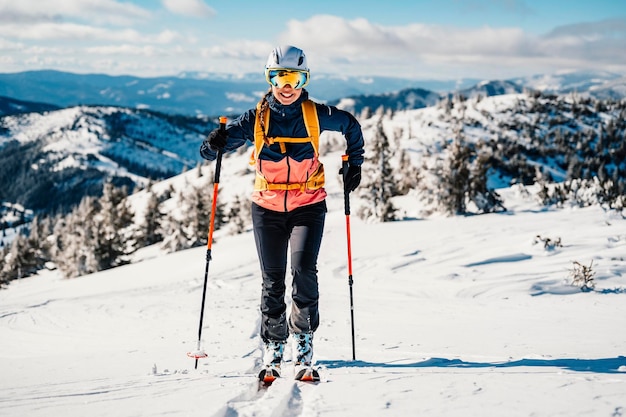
(95,11)
(76,33)
(71,32)
(332,43)
(130,50)
(240,50)
(89,32)
(192,8)
(10,46)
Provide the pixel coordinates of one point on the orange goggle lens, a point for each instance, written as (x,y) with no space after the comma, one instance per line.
(281,77)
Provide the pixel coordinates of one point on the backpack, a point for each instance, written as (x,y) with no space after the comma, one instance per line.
(311,122)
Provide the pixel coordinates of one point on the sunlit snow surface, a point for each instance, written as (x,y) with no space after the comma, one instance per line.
(463,315)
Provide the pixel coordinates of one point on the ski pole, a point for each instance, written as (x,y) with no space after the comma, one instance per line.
(216,182)
(346,204)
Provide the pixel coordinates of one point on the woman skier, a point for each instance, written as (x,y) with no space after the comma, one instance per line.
(288,201)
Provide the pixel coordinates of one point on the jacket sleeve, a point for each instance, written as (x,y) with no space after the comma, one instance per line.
(336,120)
(239,131)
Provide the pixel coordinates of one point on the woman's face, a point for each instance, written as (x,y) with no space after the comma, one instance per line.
(286,95)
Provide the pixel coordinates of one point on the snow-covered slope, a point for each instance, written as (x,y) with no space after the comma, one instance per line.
(454,316)
(77,133)
(51,160)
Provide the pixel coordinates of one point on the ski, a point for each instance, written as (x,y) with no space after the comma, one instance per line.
(308,374)
(267,376)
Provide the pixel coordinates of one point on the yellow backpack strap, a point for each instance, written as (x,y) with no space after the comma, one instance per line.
(312,123)
(259,133)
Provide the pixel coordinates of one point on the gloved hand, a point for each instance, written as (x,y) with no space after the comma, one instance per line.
(217,139)
(352,179)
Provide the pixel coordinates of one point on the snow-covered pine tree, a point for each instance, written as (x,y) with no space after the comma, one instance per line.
(174,228)
(485,199)
(32,250)
(238,217)
(21,260)
(405,175)
(97,235)
(189,226)
(197,215)
(455,175)
(150,230)
(115,237)
(378,180)
(458,177)
(175,235)
(75,253)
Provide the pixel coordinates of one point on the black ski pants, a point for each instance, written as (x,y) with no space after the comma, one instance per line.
(301,230)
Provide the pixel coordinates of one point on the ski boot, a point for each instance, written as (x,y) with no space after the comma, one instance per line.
(303,358)
(272,358)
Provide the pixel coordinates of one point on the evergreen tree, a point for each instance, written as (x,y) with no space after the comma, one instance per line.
(28,252)
(21,261)
(39,231)
(96,235)
(455,176)
(486,200)
(115,238)
(197,215)
(76,253)
(460,177)
(238,216)
(175,227)
(175,236)
(378,184)
(406,178)
(151,229)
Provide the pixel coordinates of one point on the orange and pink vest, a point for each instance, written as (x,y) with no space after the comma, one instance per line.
(288,184)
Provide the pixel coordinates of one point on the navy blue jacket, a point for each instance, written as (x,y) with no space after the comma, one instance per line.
(287,121)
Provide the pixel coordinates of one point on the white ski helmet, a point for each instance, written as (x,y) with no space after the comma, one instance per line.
(287,57)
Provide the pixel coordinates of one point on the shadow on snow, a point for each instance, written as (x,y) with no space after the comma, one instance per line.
(604,366)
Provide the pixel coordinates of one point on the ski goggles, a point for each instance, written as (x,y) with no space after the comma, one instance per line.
(280,77)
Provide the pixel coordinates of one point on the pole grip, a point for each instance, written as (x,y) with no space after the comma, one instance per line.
(346,194)
(218,166)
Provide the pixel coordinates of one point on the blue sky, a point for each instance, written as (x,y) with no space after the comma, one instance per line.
(444,39)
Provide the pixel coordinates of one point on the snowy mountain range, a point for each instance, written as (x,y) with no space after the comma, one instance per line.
(188,93)
(217,94)
(598,84)
(417,98)
(51,160)
(51,157)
